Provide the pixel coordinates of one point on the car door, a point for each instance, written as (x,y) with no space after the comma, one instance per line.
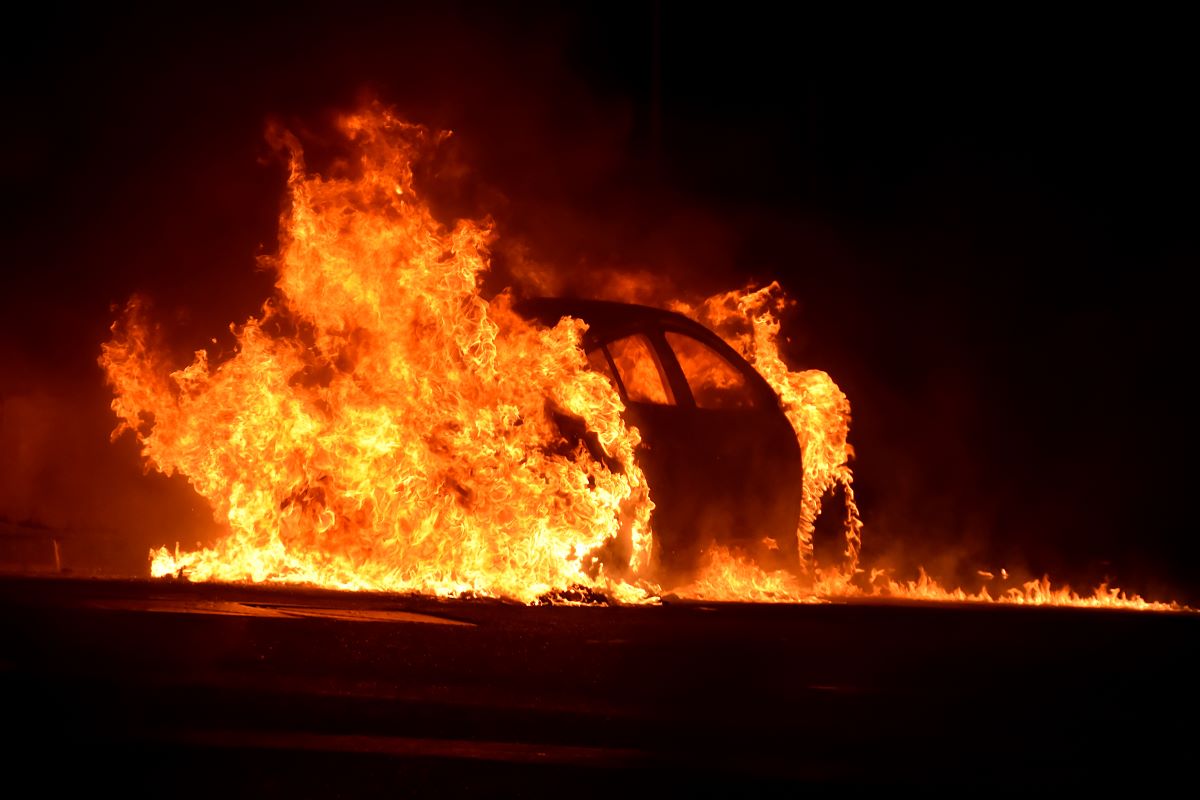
(634,360)
(719,465)
(745,454)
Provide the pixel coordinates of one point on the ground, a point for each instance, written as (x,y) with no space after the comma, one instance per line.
(198,689)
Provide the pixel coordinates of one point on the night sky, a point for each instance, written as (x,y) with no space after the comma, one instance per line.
(987,224)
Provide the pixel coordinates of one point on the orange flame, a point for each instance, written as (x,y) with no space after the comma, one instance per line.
(381,425)
(818,410)
(820,414)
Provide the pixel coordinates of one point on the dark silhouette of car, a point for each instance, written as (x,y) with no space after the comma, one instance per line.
(720,456)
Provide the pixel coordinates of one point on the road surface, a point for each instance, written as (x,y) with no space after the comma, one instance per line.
(240,690)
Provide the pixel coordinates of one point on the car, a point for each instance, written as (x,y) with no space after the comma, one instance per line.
(721,458)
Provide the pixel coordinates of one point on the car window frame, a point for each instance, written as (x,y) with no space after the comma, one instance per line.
(655,333)
(669,366)
(727,355)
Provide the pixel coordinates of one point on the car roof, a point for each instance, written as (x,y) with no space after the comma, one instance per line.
(599,314)
(608,320)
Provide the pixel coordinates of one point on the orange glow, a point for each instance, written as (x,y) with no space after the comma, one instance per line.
(715,384)
(818,410)
(640,371)
(382,426)
(1035,592)
(732,578)
(820,414)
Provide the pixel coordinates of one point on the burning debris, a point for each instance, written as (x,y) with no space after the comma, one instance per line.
(381,425)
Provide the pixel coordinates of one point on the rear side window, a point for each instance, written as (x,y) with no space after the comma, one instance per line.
(640,371)
(715,383)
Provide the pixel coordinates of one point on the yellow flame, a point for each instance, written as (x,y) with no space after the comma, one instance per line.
(818,410)
(381,425)
(820,415)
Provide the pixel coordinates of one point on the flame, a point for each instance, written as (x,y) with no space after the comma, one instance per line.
(731,577)
(381,425)
(818,410)
(820,415)
(1039,592)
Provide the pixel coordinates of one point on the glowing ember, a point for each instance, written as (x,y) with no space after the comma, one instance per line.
(383,426)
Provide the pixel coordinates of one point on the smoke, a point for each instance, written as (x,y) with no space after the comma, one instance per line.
(61,480)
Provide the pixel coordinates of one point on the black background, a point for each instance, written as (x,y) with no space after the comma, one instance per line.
(987,222)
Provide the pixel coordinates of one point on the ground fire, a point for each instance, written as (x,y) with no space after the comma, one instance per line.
(382,425)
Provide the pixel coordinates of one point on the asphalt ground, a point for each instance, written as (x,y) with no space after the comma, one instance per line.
(201,690)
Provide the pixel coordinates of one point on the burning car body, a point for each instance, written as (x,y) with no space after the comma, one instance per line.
(716,446)
(382,425)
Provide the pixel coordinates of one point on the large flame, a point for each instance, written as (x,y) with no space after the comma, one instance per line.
(382,426)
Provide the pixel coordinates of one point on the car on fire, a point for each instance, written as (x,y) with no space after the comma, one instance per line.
(720,456)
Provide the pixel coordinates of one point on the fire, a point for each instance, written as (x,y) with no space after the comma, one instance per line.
(820,414)
(818,410)
(732,577)
(381,425)
(1034,592)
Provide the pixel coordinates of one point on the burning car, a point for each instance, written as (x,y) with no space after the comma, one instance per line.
(720,454)
(382,425)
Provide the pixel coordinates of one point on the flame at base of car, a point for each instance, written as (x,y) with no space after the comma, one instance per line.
(818,410)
